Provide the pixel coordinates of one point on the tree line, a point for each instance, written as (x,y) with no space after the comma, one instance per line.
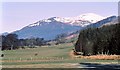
(11,42)
(102,40)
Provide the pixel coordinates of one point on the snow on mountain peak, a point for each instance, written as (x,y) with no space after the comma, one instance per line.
(82,20)
(64,20)
(46,20)
(91,17)
(39,22)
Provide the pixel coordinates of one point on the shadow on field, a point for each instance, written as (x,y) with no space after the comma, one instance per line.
(99,66)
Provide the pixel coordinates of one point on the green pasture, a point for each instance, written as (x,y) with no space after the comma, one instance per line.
(44,52)
(55,54)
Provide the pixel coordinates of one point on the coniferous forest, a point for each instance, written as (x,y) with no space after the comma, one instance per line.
(102,40)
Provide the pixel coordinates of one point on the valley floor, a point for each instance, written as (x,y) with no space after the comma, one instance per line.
(57,56)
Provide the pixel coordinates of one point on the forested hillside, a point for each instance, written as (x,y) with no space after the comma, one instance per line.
(102,40)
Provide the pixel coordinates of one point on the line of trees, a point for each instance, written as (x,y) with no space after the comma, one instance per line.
(11,41)
(61,38)
(102,40)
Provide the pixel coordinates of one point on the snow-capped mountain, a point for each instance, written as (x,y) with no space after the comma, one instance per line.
(88,17)
(51,27)
(82,20)
(47,29)
(91,17)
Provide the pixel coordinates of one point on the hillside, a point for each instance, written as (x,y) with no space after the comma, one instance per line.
(103,40)
(51,27)
(46,30)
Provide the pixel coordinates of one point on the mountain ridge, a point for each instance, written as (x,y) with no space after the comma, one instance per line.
(51,27)
(87,19)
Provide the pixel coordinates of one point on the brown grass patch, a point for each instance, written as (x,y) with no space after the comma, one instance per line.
(102,57)
(72,54)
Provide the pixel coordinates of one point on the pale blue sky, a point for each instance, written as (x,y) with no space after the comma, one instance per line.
(59,0)
(19,14)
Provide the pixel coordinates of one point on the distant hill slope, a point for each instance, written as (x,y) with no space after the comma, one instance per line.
(51,27)
(46,30)
(103,22)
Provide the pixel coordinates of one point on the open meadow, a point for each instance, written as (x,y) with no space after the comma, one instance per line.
(57,56)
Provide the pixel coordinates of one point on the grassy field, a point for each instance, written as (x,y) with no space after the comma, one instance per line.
(45,57)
